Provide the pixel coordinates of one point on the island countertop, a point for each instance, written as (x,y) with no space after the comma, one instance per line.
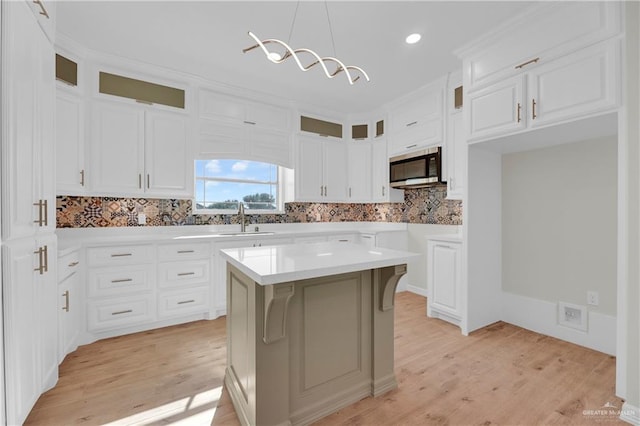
(277,264)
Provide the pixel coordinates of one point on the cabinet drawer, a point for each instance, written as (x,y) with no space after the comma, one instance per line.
(68,264)
(115,281)
(121,312)
(184,251)
(119,255)
(183,302)
(178,274)
(416,137)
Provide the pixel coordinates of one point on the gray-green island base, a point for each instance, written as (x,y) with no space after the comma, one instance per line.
(298,351)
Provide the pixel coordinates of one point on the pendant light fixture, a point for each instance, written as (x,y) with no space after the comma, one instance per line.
(300,54)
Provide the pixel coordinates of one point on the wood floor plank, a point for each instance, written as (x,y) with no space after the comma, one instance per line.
(500,375)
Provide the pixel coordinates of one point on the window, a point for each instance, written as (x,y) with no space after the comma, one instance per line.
(221,185)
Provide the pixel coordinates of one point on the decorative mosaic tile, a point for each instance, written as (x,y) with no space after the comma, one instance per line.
(424,205)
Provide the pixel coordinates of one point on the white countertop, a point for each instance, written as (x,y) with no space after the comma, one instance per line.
(276,264)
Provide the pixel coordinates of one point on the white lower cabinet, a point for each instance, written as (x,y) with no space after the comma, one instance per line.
(30,323)
(183,302)
(119,312)
(121,286)
(69,307)
(444,280)
(184,279)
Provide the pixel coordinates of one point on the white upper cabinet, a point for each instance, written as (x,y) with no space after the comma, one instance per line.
(555,63)
(455,147)
(232,127)
(497,109)
(70,178)
(417,121)
(360,165)
(166,154)
(28,169)
(218,106)
(575,85)
(380,190)
(547,31)
(321,171)
(136,152)
(117,149)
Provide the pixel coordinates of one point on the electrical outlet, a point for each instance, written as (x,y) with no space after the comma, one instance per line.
(574,316)
(593,298)
(142,219)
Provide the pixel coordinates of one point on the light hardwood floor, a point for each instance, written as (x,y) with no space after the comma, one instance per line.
(501,374)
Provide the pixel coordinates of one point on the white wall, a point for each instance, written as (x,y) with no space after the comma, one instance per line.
(559,223)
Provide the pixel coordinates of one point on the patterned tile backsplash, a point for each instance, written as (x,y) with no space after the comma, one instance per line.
(427,205)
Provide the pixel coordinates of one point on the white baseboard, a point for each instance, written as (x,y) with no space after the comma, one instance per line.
(541,316)
(630,414)
(417,290)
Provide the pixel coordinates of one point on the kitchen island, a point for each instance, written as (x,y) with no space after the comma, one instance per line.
(309,328)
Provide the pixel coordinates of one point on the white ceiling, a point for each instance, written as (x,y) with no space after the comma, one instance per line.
(206,38)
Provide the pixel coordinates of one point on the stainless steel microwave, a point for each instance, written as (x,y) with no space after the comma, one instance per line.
(416,170)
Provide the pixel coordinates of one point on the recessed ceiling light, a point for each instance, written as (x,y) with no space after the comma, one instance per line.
(413,38)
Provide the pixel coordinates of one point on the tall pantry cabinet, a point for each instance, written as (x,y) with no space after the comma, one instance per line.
(29,288)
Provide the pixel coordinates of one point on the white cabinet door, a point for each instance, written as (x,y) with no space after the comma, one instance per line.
(456,148)
(21,334)
(335,171)
(444,279)
(497,110)
(69,307)
(167,155)
(381,192)
(46,151)
(417,122)
(309,170)
(575,85)
(117,150)
(47,302)
(69,144)
(19,169)
(360,187)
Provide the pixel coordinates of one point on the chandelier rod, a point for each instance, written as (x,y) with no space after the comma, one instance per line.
(333,42)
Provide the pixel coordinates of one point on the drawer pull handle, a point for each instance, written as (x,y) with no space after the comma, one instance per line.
(413,123)
(128,311)
(66,301)
(253,123)
(343,241)
(72,264)
(519,110)
(185,251)
(411,146)
(121,254)
(182,274)
(524,64)
(122,280)
(186,301)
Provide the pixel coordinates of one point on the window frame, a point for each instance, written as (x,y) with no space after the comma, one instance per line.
(279,190)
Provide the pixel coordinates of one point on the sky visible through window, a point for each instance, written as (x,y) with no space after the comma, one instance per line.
(221,184)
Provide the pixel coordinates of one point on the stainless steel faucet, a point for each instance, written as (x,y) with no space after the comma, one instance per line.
(243,221)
